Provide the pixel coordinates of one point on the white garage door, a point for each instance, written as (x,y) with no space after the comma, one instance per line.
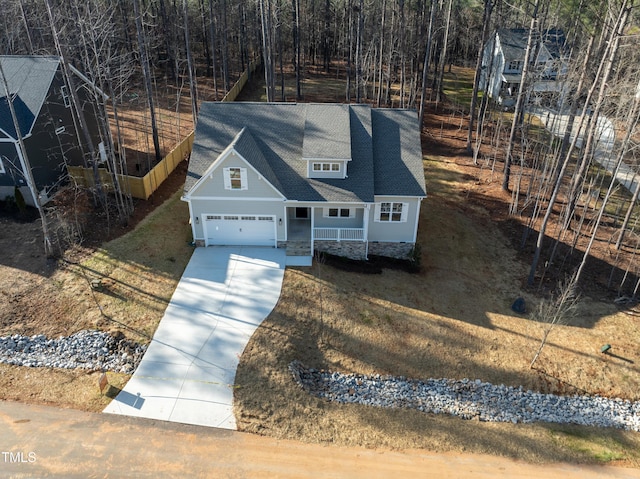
(250,230)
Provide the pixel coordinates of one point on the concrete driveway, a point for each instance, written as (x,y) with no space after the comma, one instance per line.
(188,371)
(557,123)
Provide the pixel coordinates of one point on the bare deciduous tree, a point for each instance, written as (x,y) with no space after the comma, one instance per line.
(558,310)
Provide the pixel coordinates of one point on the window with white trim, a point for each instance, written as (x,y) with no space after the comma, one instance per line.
(235,178)
(514,66)
(65,96)
(339,213)
(389,211)
(325,167)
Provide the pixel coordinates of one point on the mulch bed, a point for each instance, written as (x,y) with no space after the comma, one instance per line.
(374,265)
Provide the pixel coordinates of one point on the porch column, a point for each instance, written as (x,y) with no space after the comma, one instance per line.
(285,217)
(365,223)
(313,220)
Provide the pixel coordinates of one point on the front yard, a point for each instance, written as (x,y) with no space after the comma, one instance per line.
(452,320)
(137,272)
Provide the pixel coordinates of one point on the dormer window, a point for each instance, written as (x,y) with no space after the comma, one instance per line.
(326,146)
(326,167)
(329,168)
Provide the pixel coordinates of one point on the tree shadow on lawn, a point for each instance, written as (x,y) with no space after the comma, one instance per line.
(472,249)
(608,275)
(268,401)
(22,241)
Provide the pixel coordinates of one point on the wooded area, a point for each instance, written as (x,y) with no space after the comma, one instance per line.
(392,53)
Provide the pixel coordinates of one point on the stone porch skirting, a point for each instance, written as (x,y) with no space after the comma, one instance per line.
(355,249)
(358,249)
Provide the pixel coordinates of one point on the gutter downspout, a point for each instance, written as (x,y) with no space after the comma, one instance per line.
(313,239)
(286,223)
(193,226)
(415,229)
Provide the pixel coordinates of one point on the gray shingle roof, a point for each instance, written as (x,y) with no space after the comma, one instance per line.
(29,79)
(397,153)
(326,132)
(514,42)
(271,136)
(245,144)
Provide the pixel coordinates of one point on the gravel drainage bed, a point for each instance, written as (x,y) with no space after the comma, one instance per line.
(468,399)
(95,350)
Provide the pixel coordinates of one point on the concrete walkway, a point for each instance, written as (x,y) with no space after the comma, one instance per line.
(188,371)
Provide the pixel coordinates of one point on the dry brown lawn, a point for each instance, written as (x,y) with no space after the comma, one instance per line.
(452,320)
(139,272)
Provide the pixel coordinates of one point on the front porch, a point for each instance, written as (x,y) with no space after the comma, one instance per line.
(339,234)
(299,230)
(335,230)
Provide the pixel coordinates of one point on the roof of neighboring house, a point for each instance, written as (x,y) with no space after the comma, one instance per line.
(29,79)
(383,145)
(514,42)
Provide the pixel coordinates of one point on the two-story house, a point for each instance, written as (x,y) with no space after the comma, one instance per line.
(503,62)
(345,179)
(42,102)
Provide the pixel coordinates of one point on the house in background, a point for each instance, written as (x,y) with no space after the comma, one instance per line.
(42,102)
(344,179)
(503,61)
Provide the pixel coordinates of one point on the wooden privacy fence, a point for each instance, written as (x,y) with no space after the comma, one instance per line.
(143,187)
(138,187)
(242,81)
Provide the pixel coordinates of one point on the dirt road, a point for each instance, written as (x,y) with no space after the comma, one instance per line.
(40,441)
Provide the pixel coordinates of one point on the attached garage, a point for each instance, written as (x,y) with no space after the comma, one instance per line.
(250,230)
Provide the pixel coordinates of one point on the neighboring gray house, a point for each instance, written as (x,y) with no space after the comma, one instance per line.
(503,60)
(42,102)
(345,179)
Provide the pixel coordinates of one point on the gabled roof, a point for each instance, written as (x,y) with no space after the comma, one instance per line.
(397,153)
(514,42)
(385,152)
(246,146)
(29,79)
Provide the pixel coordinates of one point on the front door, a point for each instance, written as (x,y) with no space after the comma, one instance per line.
(302,213)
